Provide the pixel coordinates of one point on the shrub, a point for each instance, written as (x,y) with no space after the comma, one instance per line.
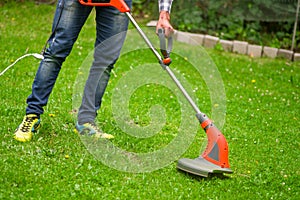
(265,22)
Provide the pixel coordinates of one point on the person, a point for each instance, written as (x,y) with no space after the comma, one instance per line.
(69,18)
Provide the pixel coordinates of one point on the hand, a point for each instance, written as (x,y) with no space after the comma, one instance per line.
(164,23)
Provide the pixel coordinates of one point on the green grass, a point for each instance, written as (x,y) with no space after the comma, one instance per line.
(262,125)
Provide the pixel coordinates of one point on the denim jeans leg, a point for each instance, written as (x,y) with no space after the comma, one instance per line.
(68,20)
(111,32)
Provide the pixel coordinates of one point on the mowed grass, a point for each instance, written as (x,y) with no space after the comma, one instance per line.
(262,124)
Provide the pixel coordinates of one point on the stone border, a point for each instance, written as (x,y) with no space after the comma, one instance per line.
(235,46)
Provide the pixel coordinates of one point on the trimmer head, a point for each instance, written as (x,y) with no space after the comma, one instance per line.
(200,167)
(214,160)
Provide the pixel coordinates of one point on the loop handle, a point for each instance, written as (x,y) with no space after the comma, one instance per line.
(165,47)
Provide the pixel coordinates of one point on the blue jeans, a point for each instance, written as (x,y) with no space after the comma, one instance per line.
(69,18)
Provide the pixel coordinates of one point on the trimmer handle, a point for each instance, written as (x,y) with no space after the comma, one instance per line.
(119,4)
(165,47)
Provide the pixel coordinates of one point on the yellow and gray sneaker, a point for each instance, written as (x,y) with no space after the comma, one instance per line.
(30,124)
(91,129)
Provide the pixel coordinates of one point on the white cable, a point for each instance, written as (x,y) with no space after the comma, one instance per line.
(36,55)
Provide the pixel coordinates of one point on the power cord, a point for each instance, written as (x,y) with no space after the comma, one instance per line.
(36,55)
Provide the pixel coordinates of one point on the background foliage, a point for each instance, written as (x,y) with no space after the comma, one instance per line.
(262,22)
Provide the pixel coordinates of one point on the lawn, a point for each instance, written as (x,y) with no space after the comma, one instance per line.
(257,110)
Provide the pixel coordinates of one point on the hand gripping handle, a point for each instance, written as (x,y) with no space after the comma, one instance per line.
(165,47)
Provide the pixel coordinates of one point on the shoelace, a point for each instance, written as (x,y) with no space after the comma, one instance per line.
(94,126)
(27,124)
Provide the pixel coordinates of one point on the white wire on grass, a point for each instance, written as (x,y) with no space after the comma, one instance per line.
(36,55)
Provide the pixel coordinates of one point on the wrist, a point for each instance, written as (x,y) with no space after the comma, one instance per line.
(164,15)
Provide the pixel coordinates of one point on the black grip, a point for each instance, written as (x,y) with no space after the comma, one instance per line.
(100,1)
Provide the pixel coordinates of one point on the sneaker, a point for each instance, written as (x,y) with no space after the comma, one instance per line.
(29,125)
(91,129)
